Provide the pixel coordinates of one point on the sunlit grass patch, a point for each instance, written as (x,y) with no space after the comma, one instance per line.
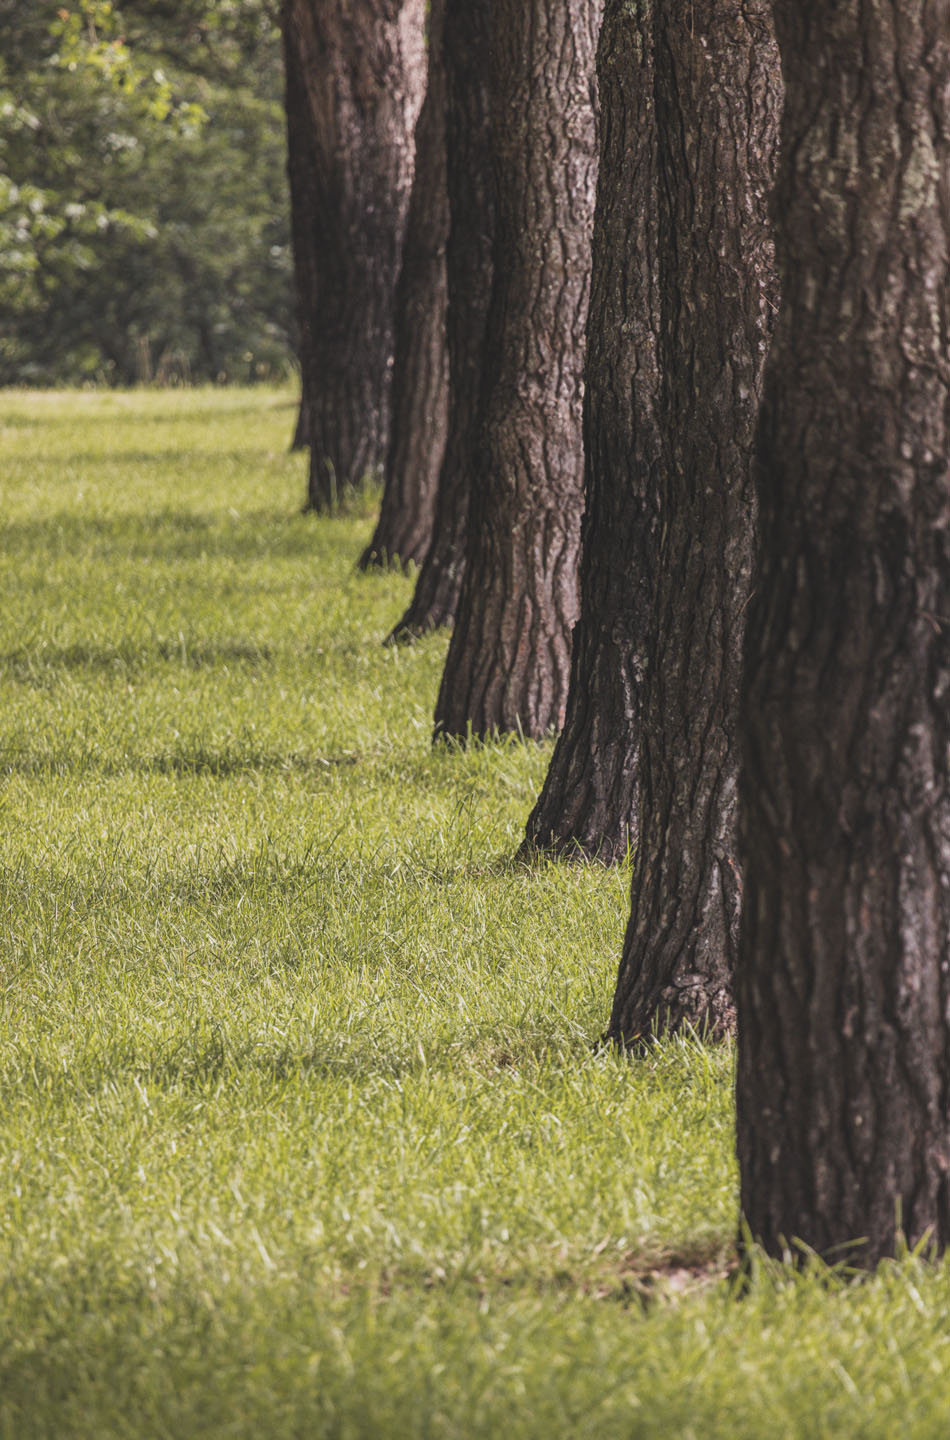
(305,1128)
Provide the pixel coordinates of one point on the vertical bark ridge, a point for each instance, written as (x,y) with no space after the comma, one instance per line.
(588,805)
(717,94)
(509,658)
(469,269)
(844,977)
(301,174)
(421,367)
(361,74)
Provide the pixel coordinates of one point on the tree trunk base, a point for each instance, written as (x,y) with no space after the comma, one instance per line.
(685,1009)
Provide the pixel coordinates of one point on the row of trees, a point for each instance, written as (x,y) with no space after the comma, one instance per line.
(744,643)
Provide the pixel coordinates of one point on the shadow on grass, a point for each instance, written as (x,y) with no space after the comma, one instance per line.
(194,407)
(197,402)
(223,764)
(165,535)
(39,666)
(208,883)
(248,457)
(498,867)
(101,1330)
(200,760)
(629,1278)
(206,1059)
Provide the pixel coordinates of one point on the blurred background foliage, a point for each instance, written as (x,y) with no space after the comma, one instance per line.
(144,214)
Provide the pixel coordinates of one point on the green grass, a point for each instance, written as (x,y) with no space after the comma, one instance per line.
(303,1126)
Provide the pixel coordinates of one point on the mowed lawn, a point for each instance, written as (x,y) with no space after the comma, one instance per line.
(304,1129)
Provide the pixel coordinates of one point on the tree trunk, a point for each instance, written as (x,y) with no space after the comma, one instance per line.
(421,373)
(588,805)
(301,174)
(717,89)
(509,658)
(469,268)
(302,428)
(356,83)
(844,993)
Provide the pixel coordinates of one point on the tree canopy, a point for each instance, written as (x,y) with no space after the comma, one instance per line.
(143,198)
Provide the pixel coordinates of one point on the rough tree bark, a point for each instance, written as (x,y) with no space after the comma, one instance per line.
(469,267)
(588,805)
(421,369)
(355,81)
(509,657)
(717,94)
(844,976)
(302,428)
(301,174)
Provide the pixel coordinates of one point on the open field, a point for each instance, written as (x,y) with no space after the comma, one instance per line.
(303,1127)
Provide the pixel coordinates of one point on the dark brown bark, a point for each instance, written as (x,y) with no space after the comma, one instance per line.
(355,82)
(302,428)
(588,805)
(301,173)
(509,658)
(469,268)
(421,371)
(844,977)
(717,93)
